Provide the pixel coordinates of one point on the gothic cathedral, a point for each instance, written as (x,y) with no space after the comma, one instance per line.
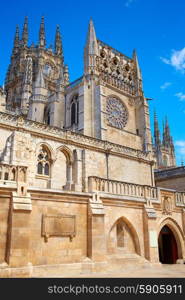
(77,162)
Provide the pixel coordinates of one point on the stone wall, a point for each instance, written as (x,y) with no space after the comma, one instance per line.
(5,198)
(95,226)
(73,157)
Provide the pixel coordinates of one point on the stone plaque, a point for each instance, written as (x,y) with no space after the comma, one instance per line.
(153,239)
(58,225)
(151,213)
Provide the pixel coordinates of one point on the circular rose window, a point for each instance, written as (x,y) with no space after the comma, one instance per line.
(117,114)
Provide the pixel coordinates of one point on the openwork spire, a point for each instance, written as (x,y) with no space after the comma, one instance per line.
(25,32)
(156,131)
(16,40)
(167,139)
(58,42)
(42,38)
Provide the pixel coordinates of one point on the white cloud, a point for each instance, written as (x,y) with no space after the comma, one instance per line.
(180,143)
(181,96)
(165,85)
(165,60)
(180,147)
(129,2)
(177,60)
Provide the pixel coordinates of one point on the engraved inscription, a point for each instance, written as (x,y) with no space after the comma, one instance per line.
(58,225)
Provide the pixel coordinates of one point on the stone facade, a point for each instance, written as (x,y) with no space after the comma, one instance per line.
(173,178)
(77,188)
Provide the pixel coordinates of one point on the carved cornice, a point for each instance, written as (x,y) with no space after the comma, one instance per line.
(69,137)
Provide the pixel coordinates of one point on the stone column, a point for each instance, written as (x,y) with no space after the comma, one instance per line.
(77,171)
(96,248)
(69,177)
(19,232)
(19,235)
(183,220)
(150,233)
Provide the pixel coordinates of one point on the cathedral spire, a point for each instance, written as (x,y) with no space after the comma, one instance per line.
(16,40)
(42,38)
(25,32)
(138,71)
(166,135)
(156,132)
(58,42)
(91,39)
(91,49)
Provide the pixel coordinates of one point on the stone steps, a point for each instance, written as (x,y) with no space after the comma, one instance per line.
(120,260)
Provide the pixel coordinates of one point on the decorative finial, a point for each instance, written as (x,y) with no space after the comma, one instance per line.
(42,39)
(25,32)
(58,41)
(16,40)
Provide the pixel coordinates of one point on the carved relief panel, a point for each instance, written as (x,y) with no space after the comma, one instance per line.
(167,207)
(58,225)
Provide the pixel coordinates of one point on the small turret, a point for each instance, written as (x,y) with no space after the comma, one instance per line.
(157,139)
(138,73)
(16,41)
(42,38)
(25,32)
(58,42)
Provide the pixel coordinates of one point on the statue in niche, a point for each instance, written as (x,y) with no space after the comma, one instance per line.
(120,234)
(167,206)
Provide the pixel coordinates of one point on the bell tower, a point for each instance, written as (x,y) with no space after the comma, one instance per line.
(115,108)
(33,77)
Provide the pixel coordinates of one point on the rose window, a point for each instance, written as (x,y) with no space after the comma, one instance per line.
(117,114)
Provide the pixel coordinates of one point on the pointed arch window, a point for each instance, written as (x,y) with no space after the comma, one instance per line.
(74,110)
(43,161)
(47,115)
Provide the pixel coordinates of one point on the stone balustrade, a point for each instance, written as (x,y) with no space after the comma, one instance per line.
(180,198)
(97,184)
(122,188)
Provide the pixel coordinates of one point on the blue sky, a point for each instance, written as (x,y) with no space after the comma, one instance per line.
(156,28)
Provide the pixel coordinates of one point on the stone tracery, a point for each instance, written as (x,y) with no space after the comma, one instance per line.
(117,114)
(43,166)
(116,69)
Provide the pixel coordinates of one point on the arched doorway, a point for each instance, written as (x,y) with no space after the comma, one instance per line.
(168,251)
(123,238)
